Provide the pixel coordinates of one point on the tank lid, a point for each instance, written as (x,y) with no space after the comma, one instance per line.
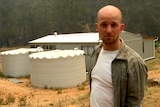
(56,54)
(21,51)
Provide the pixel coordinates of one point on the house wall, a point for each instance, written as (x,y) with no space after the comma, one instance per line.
(68,46)
(134,41)
(44,46)
(136,45)
(149,49)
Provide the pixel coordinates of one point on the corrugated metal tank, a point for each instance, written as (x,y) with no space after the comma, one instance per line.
(16,63)
(58,68)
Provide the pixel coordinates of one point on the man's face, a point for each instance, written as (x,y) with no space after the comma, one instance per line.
(109,28)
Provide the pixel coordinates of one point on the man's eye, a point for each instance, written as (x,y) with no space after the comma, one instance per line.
(103,25)
(114,25)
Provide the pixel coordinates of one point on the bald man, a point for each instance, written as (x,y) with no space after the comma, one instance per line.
(118,74)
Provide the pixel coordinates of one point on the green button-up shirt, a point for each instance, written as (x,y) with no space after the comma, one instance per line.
(129,76)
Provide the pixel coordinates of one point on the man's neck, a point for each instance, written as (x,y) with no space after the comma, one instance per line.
(112,47)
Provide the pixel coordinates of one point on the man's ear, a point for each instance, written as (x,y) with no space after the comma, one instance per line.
(96,26)
(122,26)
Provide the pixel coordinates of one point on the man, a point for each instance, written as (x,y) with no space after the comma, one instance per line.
(118,74)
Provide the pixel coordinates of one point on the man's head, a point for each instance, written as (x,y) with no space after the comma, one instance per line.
(109,24)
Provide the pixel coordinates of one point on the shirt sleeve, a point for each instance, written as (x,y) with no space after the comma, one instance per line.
(137,80)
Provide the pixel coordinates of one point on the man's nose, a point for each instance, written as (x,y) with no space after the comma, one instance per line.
(109,29)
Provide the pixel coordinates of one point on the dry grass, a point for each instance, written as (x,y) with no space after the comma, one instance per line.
(152,96)
(25,95)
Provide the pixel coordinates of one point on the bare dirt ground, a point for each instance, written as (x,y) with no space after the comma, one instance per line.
(25,95)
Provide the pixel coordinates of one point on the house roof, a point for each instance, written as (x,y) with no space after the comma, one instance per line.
(68,38)
(151,37)
(80,38)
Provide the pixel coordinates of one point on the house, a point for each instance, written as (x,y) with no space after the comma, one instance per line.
(87,42)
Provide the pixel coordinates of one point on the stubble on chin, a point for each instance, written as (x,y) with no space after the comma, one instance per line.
(110,41)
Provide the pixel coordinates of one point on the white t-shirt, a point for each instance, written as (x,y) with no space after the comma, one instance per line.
(102,89)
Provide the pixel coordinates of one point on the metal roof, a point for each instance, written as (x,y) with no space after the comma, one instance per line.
(68,38)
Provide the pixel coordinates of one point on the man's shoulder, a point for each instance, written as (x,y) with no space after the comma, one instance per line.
(129,54)
(97,49)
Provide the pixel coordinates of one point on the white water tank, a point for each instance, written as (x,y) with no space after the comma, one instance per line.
(58,68)
(16,63)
